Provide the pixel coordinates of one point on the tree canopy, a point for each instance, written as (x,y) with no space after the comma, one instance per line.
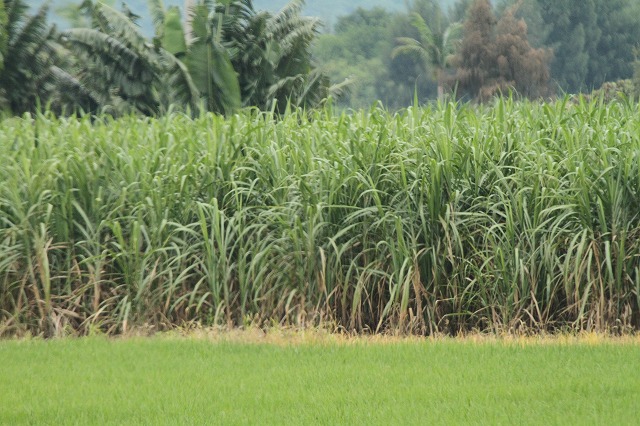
(222,55)
(230,56)
(495,56)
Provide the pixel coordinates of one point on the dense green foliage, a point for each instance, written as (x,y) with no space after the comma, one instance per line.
(592,43)
(178,381)
(237,55)
(225,56)
(444,218)
(26,56)
(117,69)
(360,50)
(537,48)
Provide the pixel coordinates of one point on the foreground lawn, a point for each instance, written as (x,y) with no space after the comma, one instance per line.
(191,381)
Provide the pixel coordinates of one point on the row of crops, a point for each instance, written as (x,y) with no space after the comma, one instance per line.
(517,216)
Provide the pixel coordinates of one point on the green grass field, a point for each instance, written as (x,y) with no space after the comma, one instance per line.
(204,381)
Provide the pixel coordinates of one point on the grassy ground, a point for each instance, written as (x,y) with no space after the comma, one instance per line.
(198,381)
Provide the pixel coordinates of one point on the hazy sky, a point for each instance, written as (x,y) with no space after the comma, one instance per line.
(327,10)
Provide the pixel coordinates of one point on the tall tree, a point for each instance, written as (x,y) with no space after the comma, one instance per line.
(115,63)
(233,57)
(531,12)
(475,61)
(520,66)
(272,53)
(495,56)
(592,43)
(435,45)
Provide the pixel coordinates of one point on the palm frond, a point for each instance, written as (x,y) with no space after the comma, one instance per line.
(413,49)
(71,94)
(342,89)
(214,76)
(115,68)
(16,14)
(119,26)
(179,86)
(30,34)
(28,46)
(282,18)
(157,12)
(426,34)
(452,37)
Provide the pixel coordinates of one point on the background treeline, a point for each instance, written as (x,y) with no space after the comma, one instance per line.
(226,54)
(540,47)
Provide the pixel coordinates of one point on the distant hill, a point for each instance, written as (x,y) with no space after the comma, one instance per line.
(327,10)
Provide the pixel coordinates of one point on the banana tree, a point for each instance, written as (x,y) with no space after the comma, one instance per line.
(240,57)
(271,53)
(122,70)
(27,55)
(208,60)
(202,53)
(226,57)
